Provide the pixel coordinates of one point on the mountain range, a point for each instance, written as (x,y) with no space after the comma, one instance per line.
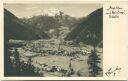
(88,30)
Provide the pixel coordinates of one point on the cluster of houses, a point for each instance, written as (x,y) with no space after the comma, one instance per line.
(49,47)
(53,47)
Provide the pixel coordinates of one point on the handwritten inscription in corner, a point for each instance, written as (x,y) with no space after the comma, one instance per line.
(115,11)
(113,71)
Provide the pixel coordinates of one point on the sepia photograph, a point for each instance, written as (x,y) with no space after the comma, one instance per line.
(53,40)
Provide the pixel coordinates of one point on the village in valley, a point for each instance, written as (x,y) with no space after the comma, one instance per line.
(54,57)
(54,46)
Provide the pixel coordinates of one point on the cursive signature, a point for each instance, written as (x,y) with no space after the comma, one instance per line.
(113,72)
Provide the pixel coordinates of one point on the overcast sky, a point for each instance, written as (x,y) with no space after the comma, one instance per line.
(28,10)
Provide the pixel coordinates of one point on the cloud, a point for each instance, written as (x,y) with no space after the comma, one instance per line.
(31,8)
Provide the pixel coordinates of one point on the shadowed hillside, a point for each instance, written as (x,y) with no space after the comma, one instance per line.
(88,29)
(16,29)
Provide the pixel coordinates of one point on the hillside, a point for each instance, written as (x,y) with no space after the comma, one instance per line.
(51,24)
(88,29)
(17,29)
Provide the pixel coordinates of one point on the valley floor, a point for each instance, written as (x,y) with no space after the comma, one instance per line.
(51,62)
